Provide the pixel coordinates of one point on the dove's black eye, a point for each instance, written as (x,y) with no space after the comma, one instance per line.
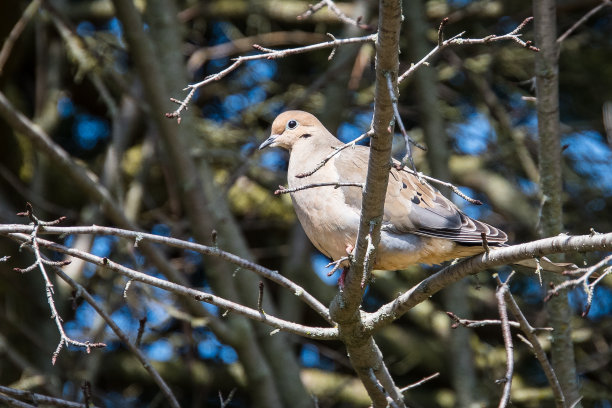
(292,124)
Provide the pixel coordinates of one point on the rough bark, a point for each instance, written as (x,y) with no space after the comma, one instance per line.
(363,351)
(547,93)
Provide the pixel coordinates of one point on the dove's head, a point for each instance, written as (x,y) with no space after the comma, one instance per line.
(295,127)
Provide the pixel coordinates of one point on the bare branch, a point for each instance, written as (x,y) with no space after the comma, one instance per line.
(454,188)
(584,281)
(337,150)
(420,382)
(469,266)
(32,241)
(260,297)
(529,332)
(16,31)
(582,20)
(503,314)
(14,402)
(38,398)
(457,321)
(224,403)
(398,120)
(123,337)
(457,40)
(313,8)
(268,54)
(274,276)
(334,9)
(283,190)
(443,23)
(306,331)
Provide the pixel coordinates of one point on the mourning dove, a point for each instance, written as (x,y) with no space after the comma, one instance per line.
(419,225)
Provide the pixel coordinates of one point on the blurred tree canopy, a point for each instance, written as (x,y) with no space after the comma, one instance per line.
(72,73)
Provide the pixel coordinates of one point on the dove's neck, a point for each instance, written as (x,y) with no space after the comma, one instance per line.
(307,154)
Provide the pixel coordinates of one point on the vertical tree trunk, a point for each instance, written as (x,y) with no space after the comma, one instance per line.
(271,370)
(547,92)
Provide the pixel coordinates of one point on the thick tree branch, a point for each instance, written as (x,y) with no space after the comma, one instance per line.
(363,351)
(551,187)
(470,266)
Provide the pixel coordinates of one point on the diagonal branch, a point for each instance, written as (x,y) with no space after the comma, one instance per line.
(313,8)
(583,20)
(268,54)
(141,237)
(39,398)
(391,311)
(458,40)
(529,332)
(82,292)
(16,31)
(321,333)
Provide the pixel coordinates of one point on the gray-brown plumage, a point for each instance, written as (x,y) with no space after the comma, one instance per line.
(420,225)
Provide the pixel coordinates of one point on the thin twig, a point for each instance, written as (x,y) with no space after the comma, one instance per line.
(398,120)
(224,403)
(335,152)
(529,332)
(451,186)
(165,389)
(443,23)
(86,389)
(260,297)
(457,321)
(269,54)
(381,389)
(583,20)
(16,31)
(485,243)
(502,288)
(420,382)
(336,264)
(142,323)
(313,8)
(584,281)
(368,256)
(457,40)
(334,9)
(38,399)
(33,243)
(283,190)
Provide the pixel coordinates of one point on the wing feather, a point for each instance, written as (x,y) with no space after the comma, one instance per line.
(414,207)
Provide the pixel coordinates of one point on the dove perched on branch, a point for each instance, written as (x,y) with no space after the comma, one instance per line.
(419,225)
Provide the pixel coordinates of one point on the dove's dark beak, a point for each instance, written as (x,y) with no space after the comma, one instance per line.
(268,142)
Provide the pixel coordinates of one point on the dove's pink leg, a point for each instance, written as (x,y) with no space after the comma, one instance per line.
(342,278)
(349,252)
